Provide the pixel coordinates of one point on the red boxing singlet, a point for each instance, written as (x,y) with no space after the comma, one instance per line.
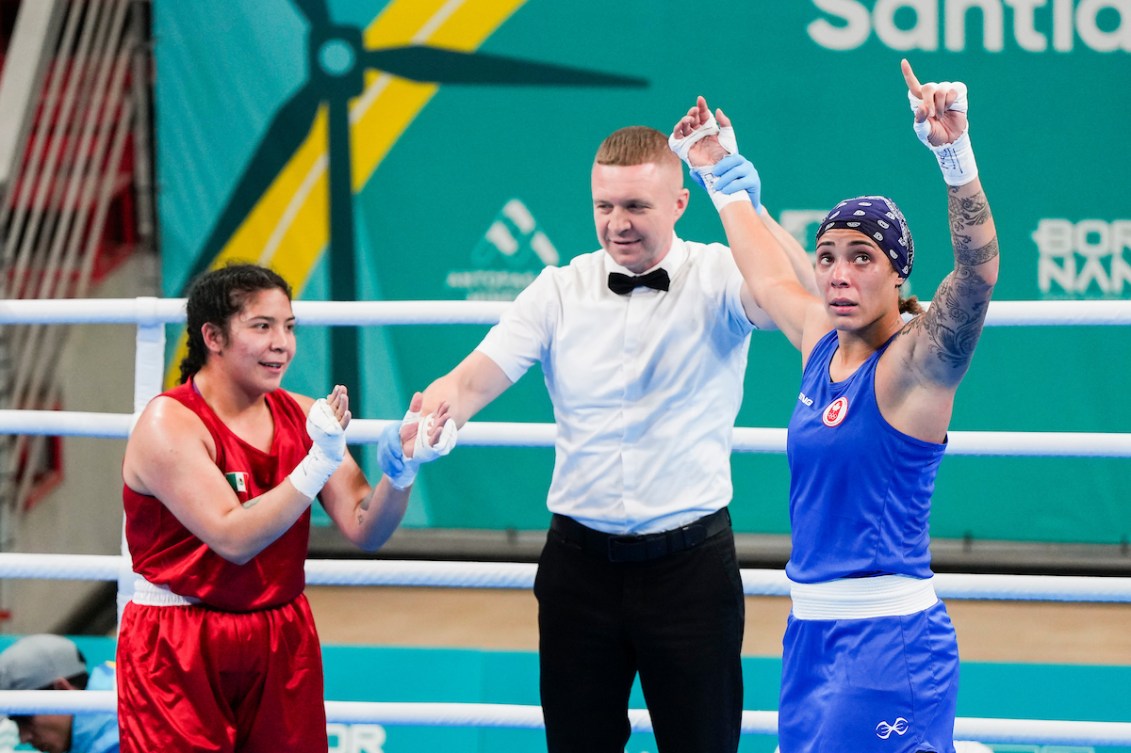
(166,553)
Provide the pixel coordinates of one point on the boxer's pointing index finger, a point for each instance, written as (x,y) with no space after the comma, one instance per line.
(913,85)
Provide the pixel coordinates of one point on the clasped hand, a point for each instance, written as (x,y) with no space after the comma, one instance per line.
(708,145)
(404,447)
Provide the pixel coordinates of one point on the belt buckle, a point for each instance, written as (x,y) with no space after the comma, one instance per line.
(693,535)
(628,543)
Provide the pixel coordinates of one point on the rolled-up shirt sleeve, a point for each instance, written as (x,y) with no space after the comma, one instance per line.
(523,333)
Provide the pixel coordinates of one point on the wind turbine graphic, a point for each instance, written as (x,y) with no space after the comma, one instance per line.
(336,65)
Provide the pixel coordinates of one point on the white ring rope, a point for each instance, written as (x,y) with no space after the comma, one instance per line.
(1057,313)
(148,310)
(517,575)
(517,434)
(512,716)
(66,423)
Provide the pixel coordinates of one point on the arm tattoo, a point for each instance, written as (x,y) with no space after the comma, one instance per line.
(954,321)
(972,257)
(953,324)
(966,211)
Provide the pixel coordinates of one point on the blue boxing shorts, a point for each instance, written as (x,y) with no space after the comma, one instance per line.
(881,684)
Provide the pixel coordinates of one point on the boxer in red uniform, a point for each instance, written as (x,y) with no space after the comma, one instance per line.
(217,649)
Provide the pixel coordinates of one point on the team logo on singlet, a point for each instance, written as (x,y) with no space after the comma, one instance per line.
(899,727)
(835,413)
(237,480)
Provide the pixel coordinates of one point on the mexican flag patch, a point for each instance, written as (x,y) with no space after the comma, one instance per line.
(237,480)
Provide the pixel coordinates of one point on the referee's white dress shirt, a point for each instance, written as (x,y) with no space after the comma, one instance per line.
(645,386)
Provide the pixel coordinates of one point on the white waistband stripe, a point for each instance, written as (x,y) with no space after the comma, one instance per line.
(861,598)
(151,595)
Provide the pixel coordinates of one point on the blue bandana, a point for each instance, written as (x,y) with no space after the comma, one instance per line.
(880,219)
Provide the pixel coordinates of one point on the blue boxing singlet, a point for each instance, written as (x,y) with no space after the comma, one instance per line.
(860,490)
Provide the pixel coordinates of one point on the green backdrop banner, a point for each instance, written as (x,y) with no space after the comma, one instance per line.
(465,188)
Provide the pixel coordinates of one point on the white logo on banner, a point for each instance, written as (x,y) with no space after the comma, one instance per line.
(801,224)
(1089,256)
(356,738)
(1034,25)
(507,258)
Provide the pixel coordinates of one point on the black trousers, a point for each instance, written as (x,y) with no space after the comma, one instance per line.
(676,620)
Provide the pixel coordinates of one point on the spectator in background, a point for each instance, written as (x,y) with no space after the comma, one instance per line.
(51,662)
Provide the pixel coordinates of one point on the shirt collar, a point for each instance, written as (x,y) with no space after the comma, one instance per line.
(672,261)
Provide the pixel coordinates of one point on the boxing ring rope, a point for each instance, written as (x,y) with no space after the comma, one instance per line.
(518,575)
(513,716)
(151,314)
(146,310)
(516,434)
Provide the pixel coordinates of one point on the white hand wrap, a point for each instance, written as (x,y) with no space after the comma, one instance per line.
(422,451)
(956,160)
(703,175)
(682,147)
(327,453)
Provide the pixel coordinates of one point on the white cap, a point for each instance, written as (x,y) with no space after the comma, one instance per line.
(36,661)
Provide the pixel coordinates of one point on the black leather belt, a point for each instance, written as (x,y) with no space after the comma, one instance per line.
(640,548)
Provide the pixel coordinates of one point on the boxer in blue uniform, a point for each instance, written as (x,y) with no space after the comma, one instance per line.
(883,664)
(870,660)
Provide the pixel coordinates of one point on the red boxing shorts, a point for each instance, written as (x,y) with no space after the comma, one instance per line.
(195,679)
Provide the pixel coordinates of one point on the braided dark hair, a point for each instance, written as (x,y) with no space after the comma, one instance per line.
(215,297)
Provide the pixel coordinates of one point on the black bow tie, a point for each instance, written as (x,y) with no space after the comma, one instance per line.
(620,284)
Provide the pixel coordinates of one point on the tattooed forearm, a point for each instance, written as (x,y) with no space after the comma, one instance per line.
(948,332)
(972,257)
(968,216)
(967,211)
